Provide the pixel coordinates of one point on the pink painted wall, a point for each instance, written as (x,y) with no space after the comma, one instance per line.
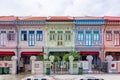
(110,45)
(9,44)
(38,44)
(119,67)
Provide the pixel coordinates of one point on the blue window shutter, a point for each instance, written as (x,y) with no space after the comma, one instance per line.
(31,40)
(88,38)
(23,35)
(96,36)
(23,32)
(31,32)
(39,36)
(80,36)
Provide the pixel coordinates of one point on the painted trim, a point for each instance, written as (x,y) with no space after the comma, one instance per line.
(31,38)
(96,34)
(39,35)
(21,35)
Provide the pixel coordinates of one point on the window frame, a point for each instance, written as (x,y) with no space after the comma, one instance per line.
(12,36)
(79,35)
(116,36)
(97,35)
(23,35)
(2,41)
(109,33)
(89,40)
(52,36)
(67,35)
(40,35)
(30,43)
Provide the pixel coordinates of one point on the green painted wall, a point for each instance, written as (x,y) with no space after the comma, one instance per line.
(57,29)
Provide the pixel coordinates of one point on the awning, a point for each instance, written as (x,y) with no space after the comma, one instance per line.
(89,53)
(31,53)
(6,53)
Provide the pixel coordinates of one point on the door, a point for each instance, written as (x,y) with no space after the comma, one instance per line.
(27,63)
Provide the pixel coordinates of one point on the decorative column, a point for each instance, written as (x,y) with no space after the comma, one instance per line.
(90,58)
(51,58)
(33,58)
(71,58)
(109,59)
(14,64)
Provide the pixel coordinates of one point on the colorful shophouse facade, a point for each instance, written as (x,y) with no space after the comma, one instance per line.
(8,37)
(31,40)
(112,37)
(88,37)
(59,35)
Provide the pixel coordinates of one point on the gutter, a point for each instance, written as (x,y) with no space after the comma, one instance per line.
(17,42)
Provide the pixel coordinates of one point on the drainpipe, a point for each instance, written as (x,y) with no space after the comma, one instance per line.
(17,42)
(43,60)
(104,38)
(74,35)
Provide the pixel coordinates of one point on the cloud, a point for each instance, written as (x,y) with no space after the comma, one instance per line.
(60,7)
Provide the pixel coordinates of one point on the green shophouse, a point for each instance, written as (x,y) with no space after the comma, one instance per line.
(59,35)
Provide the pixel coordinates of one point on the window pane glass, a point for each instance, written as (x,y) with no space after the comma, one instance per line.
(31,38)
(96,36)
(88,38)
(24,35)
(80,35)
(39,36)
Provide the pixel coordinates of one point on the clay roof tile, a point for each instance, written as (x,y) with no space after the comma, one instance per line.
(88,17)
(59,18)
(32,18)
(7,18)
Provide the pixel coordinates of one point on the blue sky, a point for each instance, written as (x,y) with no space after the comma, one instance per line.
(60,7)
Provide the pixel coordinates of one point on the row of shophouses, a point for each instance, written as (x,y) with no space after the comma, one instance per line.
(57,35)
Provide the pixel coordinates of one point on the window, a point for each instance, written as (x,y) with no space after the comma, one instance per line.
(80,35)
(3,38)
(52,35)
(39,36)
(116,38)
(23,35)
(108,35)
(68,35)
(11,36)
(96,36)
(88,38)
(31,38)
(60,35)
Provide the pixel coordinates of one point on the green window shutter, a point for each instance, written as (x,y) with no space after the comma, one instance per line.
(64,36)
(67,32)
(60,31)
(67,35)
(52,32)
(55,36)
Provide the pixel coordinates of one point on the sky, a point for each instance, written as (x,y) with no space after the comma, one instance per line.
(60,7)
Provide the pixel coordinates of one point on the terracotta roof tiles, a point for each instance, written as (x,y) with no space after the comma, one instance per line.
(59,18)
(32,18)
(7,18)
(88,17)
(112,17)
